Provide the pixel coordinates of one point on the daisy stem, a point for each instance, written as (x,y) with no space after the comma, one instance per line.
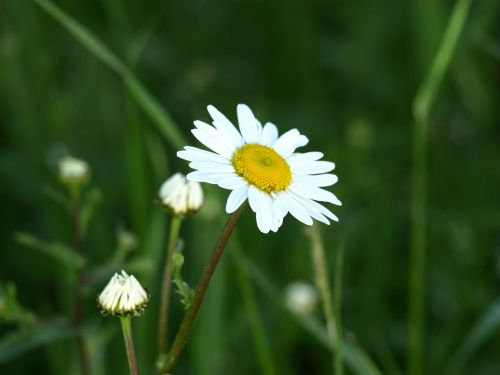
(321,279)
(189,317)
(79,299)
(422,105)
(337,298)
(175,226)
(126,323)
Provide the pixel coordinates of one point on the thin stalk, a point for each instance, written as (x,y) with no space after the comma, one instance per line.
(126,323)
(175,227)
(321,279)
(337,297)
(189,317)
(422,105)
(80,280)
(264,354)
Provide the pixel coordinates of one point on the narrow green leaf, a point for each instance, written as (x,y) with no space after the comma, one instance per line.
(484,328)
(24,339)
(11,309)
(56,250)
(352,354)
(141,95)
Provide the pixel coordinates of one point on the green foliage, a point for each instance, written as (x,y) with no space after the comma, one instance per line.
(18,342)
(11,310)
(183,288)
(482,330)
(56,250)
(144,99)
(346,74)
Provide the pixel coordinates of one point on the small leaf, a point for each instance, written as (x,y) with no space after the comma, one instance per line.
(183,288)
(10,309)
(56,250)
(16,343)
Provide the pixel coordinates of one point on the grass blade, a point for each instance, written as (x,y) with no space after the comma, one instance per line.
(480,332)
(354,357)
(422,105)
(139,93)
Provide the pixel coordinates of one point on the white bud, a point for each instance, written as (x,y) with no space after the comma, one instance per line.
(181,196)
(73,171)
(301,298)
(123,295)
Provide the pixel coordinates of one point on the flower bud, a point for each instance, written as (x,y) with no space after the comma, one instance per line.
(73,171)
(301,298)
(123,296)
(181,196)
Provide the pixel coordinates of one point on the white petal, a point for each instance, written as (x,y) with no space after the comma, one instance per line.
(297,211)
(320,180)
(263,212)
(212,143)
(315,193)
(312,209)
(276,224)
(269,134)
(196,154)
(216,135)
(253,196)
(224,125)
(279,211)
(249,126)
(303,158)
(232,182)
(211,178)
(279,205)
(236,198)
(315,167)
(288,142)
(325,211)
(210,166)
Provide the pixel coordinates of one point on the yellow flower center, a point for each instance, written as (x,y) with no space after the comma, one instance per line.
(262,167)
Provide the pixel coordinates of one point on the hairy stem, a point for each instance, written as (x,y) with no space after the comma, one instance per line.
(189,317)
(126,323)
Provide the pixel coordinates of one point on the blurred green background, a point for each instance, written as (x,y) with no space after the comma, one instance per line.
(345,74)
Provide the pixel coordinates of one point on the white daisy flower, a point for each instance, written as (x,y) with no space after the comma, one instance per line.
(259,166)
(123,295)
(181,196)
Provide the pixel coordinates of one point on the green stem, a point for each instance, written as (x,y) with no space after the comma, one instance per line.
(321,279)
(126,323)
(79,298)
(189,317)
(175,226)
(337,297)
(422,105)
